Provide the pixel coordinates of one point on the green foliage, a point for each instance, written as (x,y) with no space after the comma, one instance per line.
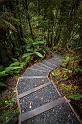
(38,42)
(7,102)
(5,24)
(39,54)
(78,70)
(9,109)
(75,96)
(1,68)
(35,48)
(17,65)
(71,62)
(61,73)
(2,85)
(27,55)
(26,30)
(12,68)
(67,61)
(25,59)
(68,88)
(3,73)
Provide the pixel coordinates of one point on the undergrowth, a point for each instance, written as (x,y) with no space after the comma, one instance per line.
(63,75)
(34,51)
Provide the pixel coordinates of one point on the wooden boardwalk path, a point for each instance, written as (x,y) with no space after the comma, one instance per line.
(39,100)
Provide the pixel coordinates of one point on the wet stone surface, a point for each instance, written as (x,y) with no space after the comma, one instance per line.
(42,66)
(26,84)
(49,64)
(55,61)
(58,57)
(61,114)
(46,66)
(30,72)
(38,98)
(39,67)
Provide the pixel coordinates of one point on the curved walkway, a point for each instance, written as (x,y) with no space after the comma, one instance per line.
(39,100)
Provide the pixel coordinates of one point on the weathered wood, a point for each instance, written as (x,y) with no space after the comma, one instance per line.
(41,109)
(32,90)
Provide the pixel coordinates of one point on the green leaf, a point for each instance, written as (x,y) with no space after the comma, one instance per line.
(26,55)
(14,59)
(8,70)
(39,42)
(15,64)
(29,50)
(39,54)
(75,96)
(3,73)
(78,70)
(27,59)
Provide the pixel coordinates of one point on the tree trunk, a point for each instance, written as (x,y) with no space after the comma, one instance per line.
(28,18)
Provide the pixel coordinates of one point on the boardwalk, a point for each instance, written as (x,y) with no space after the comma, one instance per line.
(39,100)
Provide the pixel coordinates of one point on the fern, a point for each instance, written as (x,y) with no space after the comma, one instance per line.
(39,54)
(17,63)
(10,70)
(75,96)
(27,55)
(3,74)
(39,42)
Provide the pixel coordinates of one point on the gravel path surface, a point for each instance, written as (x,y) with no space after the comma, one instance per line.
(39,100)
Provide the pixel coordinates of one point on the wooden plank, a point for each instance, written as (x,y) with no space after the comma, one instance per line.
(47,66)
(30,77)
(33,90)
(41,109)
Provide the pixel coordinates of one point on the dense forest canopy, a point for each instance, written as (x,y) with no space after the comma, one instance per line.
(56,22)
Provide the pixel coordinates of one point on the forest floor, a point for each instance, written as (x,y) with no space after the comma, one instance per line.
(12,80)
(37,95)
(70,87)
(8,104)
